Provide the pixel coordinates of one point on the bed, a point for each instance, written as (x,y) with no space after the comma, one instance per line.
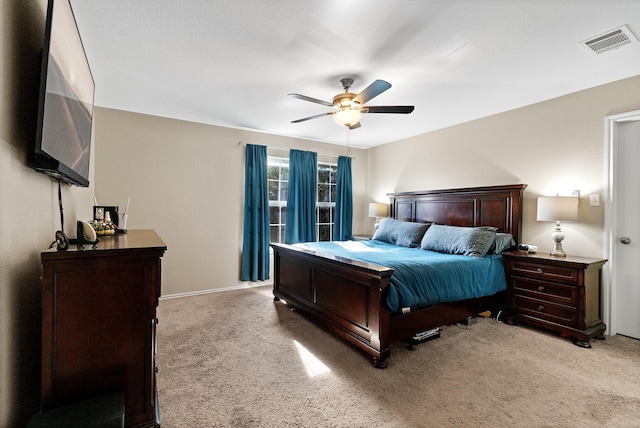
(348,296)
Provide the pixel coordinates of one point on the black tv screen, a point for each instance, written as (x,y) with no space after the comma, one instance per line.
(65,110)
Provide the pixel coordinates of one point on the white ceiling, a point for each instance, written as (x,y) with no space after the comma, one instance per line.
(233,62)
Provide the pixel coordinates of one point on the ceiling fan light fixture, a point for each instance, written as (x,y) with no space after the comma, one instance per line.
(347,117)
(349,107)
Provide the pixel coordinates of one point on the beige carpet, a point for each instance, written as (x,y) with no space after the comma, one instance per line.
(239,359)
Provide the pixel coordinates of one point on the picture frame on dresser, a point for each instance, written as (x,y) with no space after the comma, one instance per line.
(100,214)
(560,294)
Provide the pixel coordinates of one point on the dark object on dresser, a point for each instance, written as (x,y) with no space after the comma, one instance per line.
(98,324)
(559,294)
(348,297)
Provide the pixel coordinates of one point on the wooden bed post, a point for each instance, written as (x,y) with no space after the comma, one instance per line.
(380,337)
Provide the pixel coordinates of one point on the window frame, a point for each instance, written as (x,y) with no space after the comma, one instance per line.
(279,204)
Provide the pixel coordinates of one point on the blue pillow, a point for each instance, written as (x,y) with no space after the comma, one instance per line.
(402,233)
(467,241)
(503,242)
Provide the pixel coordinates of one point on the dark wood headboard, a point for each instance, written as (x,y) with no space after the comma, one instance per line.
(497,206)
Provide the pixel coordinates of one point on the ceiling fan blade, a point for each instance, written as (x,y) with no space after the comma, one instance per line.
(388,109)
(372,91)
(355,126)
(312,117)
(313,100)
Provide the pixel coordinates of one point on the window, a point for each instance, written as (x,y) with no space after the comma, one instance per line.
(326,201)
(278,176)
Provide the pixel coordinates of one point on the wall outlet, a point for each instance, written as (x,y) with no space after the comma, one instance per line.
(594,200)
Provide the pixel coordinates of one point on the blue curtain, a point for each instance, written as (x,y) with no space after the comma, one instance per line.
(300,224)
(255,241)
(344,201)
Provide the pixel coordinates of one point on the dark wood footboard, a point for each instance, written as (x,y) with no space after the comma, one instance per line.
(346,296)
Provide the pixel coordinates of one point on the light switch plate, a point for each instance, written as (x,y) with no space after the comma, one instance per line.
(594,200)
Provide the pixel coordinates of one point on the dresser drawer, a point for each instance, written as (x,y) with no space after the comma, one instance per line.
(544,271)
(548,291)
(541,309)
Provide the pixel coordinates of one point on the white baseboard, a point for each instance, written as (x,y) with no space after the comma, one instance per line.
(217,290)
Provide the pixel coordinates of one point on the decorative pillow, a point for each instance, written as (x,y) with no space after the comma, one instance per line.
(468,241)
(503,242)
(402,233)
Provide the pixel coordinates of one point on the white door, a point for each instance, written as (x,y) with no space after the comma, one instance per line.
(627,238)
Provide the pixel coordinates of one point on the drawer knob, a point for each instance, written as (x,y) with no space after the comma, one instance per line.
(540,288)
(539,270)
(541,308)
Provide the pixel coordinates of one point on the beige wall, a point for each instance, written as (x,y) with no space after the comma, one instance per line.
(554,146)
(29,213)
(186,181)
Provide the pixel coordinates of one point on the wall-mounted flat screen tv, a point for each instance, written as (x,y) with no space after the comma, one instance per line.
(65,110)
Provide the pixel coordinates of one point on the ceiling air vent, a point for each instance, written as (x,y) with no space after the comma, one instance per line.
(610,40)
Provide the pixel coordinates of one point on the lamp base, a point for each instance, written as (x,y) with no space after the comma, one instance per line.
(557,237)
(377,223)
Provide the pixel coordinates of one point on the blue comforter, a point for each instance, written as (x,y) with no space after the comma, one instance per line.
(420,277)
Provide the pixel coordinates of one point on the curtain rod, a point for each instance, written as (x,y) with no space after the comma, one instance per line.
(243,144)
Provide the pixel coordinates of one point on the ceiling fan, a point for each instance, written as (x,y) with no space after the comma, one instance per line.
(349,106)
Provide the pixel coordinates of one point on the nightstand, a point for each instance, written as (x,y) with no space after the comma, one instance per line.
(559,294)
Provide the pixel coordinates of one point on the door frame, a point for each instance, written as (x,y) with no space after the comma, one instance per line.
(611,214)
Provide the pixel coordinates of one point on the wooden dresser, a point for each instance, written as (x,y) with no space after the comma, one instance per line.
(559,294)
(99,322)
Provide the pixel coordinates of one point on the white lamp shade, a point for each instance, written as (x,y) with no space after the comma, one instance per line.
(347,117)
(557,208)
(377,209)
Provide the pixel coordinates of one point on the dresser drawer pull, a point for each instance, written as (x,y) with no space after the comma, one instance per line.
(539,270)
(541,308)
(540,288)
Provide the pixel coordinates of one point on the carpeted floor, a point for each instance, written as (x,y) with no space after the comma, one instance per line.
(239,359)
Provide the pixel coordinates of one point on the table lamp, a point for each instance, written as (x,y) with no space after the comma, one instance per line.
(378,210)
(557,208)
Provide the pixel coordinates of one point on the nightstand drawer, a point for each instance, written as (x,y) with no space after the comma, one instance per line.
(545,271)
(551,292)
(547,311)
